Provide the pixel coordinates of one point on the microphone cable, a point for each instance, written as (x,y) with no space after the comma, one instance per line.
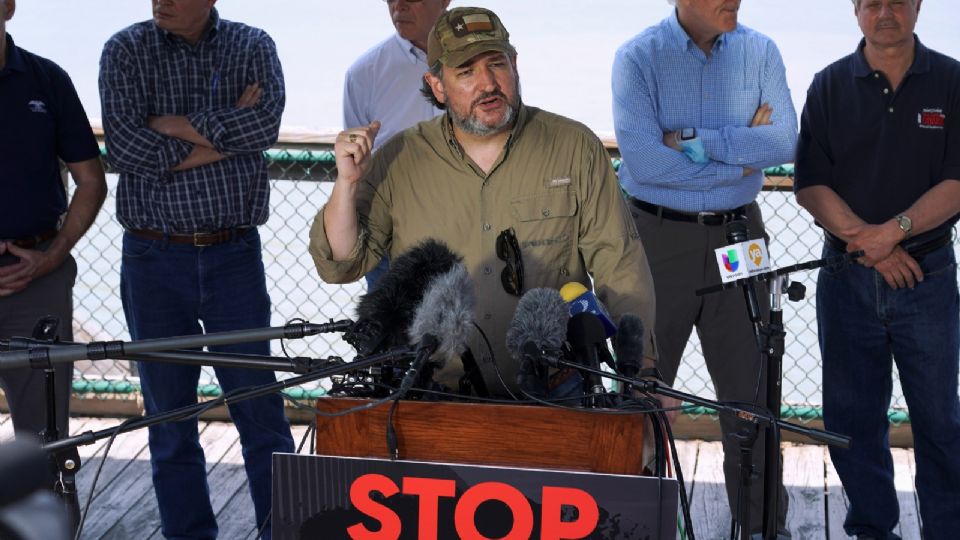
(213,403)
(682,488)
(283,341)
(493,358)
(684,500)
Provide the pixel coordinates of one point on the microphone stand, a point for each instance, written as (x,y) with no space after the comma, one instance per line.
(42,352)
(751,420)
(771,338)
(64,463)
(46,354)
(296,364)
(334,367)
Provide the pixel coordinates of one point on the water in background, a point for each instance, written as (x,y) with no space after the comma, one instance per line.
(565,47)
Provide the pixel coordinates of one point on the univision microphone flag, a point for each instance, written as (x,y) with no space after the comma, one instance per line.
(742,260)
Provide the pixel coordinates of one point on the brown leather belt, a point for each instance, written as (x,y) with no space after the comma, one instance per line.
(701,218)
(203,239)
(31,242)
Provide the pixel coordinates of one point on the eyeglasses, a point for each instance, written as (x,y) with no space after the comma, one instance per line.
(508,250)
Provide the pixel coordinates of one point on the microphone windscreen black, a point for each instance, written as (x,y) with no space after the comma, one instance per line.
(446,313)
(628,344)
(540,318)
(586,329)
(385,312)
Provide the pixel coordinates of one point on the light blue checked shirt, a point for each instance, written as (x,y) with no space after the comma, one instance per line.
(384,84)
(663,82)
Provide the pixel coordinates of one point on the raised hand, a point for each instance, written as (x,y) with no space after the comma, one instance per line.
(352,150)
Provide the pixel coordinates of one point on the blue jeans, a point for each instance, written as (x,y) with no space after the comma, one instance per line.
(373,276)
(168,290)
(864,325)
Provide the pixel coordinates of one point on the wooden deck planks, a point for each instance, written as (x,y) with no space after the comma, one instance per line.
(143,518)
(803,480)
(125,506)
(903,467)
(708,505)
(837,502)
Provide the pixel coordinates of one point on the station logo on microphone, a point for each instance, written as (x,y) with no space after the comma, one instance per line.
(756,256)
(742,260)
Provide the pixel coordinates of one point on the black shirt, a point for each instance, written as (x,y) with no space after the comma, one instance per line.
(881,149)
(41,119)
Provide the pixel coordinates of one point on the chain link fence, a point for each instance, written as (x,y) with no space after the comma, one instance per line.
(301,180)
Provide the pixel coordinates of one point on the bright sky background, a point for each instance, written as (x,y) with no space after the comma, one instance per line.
(565,47)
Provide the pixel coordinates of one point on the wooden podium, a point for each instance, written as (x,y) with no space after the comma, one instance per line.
(482,434)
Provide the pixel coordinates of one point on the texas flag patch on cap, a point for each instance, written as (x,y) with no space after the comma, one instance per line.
(468,24)
(931,119)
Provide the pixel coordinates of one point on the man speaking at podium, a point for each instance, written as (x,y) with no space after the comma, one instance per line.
(528,198)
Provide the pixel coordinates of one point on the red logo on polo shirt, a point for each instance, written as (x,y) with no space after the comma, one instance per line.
(931,119)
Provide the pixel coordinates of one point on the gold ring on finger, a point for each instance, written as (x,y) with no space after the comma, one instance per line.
(352,138)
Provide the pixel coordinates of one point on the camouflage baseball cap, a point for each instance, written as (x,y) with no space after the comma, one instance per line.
(464,32)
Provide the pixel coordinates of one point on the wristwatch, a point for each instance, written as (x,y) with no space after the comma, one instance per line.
(684,135)
(905,223)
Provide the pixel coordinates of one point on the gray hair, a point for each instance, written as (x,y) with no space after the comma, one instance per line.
(437,71)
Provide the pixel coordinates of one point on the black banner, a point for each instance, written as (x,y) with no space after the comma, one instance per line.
(334,498)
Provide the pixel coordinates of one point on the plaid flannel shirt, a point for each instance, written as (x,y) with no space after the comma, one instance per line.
(146,71)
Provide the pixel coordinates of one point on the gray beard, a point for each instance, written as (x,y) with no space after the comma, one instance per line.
(472,126)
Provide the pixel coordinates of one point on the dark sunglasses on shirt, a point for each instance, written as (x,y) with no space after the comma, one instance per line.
(508,250)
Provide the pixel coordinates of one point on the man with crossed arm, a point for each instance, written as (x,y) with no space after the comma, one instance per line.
(190,102)
(701,106)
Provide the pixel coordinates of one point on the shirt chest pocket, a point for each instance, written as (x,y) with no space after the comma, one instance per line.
(547,225)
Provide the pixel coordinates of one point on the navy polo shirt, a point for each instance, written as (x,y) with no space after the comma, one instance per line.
(879,148)
(41,119)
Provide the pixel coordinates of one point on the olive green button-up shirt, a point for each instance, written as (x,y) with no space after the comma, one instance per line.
(553,183)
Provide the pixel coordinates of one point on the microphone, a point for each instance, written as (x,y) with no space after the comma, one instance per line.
(384,313)
(582,300)
(737,232)
(536,335)
(628,345)
(446,313)
(443,321)
(587,336)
